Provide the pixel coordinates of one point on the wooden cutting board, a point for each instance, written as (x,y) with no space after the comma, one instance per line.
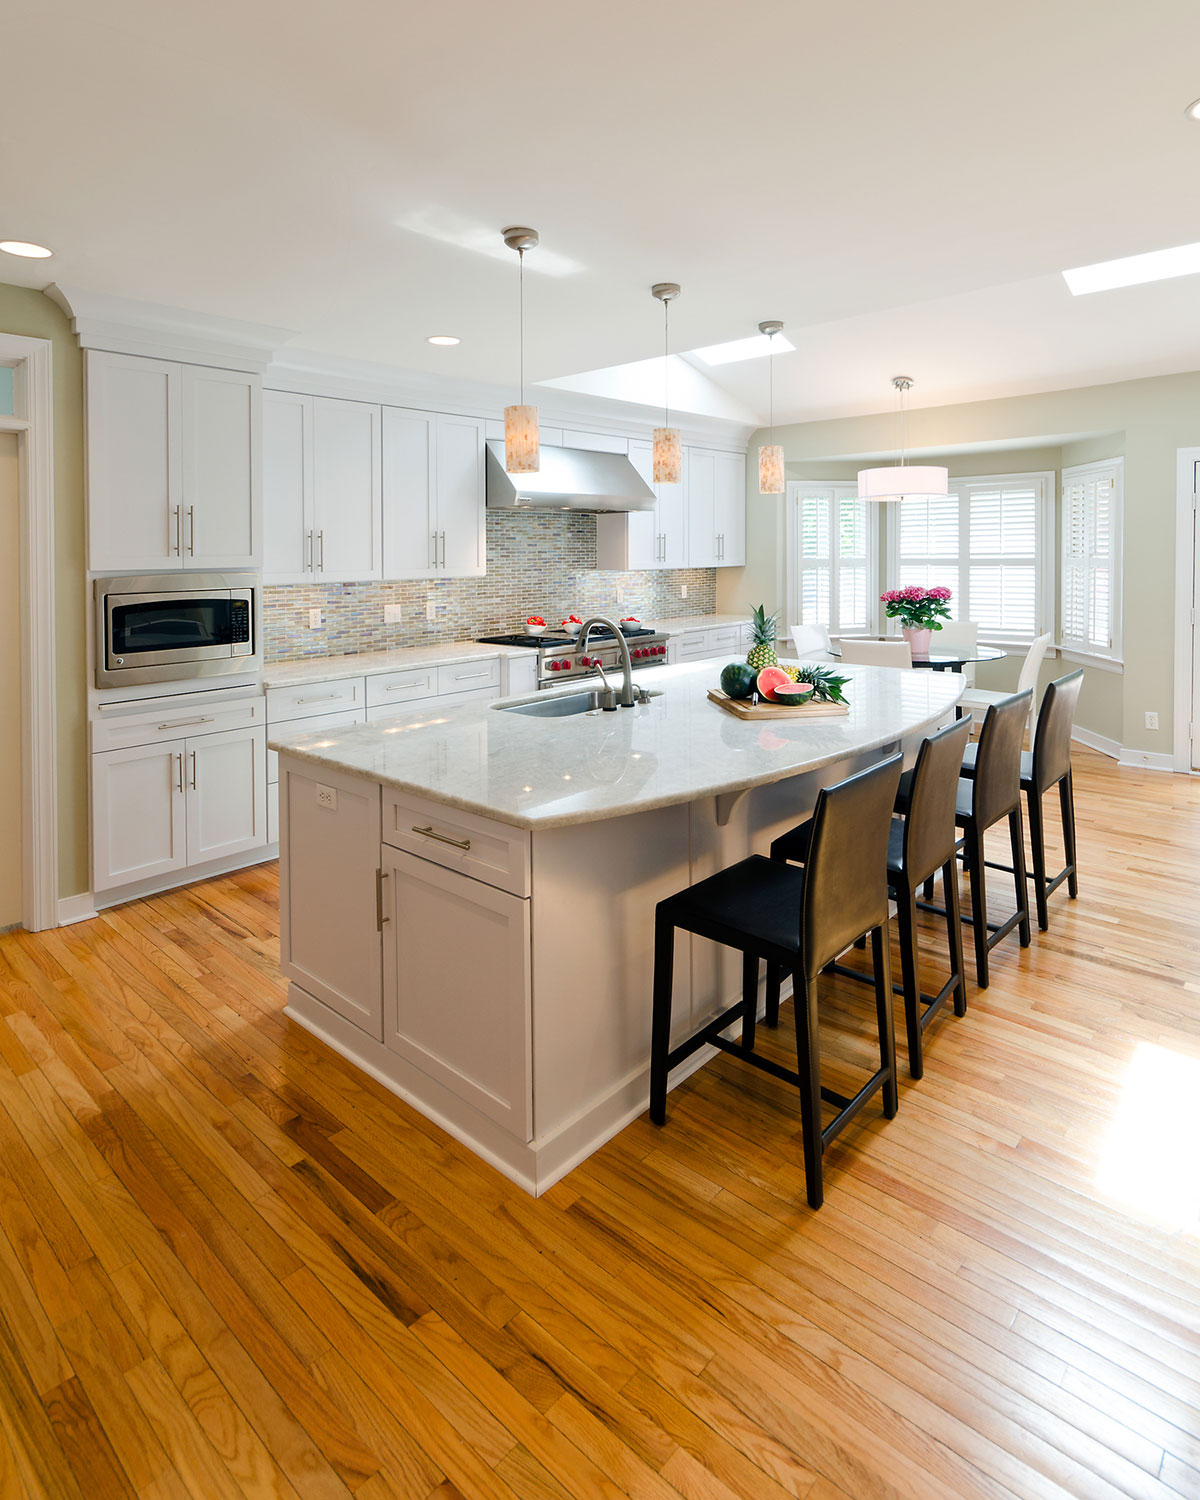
(742,708)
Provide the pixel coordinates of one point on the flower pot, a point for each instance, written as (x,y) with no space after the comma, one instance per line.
(918,640)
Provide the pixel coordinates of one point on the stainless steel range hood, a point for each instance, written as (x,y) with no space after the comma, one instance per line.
(569,479)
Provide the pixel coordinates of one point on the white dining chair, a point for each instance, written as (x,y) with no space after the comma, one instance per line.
(876,653)
(977,701)
(809,641)
(958,635)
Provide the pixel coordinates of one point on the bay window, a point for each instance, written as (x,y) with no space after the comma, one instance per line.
(832,565)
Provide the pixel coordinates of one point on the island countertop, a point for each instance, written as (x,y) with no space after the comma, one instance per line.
(545,773)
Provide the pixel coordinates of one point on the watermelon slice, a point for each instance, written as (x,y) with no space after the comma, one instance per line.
(771,678)
(794,692)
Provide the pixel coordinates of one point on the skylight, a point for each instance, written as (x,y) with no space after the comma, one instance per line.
(1133,270)
(757,346)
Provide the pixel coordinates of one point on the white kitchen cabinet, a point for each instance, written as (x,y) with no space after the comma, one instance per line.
(331,913)
(287,487)
(729,470)
(635,540)
(139,821)
(226,778)
(702,509)
(173,465)
(433,495)
(347,507)
(448,939)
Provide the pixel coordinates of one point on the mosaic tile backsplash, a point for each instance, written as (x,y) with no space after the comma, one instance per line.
(540,562)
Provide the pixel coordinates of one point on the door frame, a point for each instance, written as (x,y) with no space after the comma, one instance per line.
(1187,587)
(33,422)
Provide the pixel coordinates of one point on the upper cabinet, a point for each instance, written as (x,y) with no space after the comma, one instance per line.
(173,461)
(698,523)
(433,495)
(323,487)
(639,539)
(716,509)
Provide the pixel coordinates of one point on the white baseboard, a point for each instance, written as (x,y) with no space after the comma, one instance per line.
(73,909)
(1141,760)
(1100,742)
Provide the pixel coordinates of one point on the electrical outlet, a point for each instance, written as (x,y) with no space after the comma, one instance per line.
(327,797)
(430,609)
(1151,721)
(393,614)
(620,596)
(314,619)
(683,590)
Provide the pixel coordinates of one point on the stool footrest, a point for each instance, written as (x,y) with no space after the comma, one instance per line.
(763,1064)
(848,1108)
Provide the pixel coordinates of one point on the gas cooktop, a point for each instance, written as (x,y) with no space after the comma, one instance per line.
(556,640)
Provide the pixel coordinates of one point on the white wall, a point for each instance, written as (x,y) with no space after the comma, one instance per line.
(10,685)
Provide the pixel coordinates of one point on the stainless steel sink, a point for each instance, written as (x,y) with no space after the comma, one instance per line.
(556,708)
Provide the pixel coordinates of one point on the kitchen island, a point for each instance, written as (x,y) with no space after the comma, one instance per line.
(467,895)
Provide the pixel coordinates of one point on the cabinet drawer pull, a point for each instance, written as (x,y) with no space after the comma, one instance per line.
(320,698)
(470,676)
(405,687)
(186,723)
(380,919)
(193,754)
(179,758)
(443,838)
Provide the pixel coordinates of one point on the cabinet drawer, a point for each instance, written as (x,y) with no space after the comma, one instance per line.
(495,853)
(401,687)
(315,698)
(693,645)
(302,727)
(726,638)
(122,731)
(469,675)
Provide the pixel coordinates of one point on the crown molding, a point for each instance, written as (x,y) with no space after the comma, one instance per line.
(124,325)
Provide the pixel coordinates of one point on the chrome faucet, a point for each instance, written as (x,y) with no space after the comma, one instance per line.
(626,699)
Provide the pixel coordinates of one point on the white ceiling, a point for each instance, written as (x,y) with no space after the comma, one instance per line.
(900,184)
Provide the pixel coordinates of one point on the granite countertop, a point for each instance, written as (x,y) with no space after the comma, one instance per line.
(699,622)
(368,663)
(546,773)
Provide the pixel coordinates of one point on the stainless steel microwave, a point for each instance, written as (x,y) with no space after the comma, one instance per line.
(164,627)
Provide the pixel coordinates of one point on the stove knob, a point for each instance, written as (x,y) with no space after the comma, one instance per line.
(660,650)
(552,666)
(585,661)
(566,666)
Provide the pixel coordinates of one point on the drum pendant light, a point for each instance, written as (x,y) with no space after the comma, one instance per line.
(668,450)
(903,481)
(770,456)
(522,453)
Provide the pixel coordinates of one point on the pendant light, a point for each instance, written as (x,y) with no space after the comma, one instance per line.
(522,454)
(668,450)
(770,456)
(903,481)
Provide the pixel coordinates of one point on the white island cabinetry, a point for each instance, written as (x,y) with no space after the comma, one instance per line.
(500,879)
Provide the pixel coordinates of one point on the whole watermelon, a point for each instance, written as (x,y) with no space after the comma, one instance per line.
(738,679)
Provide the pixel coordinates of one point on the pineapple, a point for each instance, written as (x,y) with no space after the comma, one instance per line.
(762,652)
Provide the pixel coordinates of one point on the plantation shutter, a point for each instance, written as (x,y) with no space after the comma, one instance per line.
(929,545)
(832,583)
(1091,504)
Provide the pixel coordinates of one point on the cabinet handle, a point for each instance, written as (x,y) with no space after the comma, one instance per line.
(443,838)
(380,919)
(179,758)
(320,698)
(178,529)
(443,562)
(193,755)
(435,561)
(321,547)
(185,723)
(191,531)
(308,552)
(470,676)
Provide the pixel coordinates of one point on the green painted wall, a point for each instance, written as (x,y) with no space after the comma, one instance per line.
(1145,420)
(30,313)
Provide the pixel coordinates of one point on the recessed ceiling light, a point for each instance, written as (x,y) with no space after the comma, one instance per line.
(23,247)
(1134,270)
(1193,110)
(442,338)
(757,346)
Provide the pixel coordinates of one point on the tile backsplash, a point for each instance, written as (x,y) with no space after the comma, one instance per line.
(539,562)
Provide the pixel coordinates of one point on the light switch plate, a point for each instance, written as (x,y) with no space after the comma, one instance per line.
(683,590)
(430,609)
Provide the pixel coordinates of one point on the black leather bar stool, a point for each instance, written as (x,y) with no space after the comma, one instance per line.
(919,845)
(798,921)
(1048,764)
(994,792)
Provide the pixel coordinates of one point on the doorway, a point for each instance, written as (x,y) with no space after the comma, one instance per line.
(12,864)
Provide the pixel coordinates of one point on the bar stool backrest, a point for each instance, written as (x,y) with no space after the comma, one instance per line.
(845,882)
(998,759)
(1052,737)
(929,831)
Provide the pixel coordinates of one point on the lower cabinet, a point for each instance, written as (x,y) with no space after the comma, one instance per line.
(450,942)
(160,808)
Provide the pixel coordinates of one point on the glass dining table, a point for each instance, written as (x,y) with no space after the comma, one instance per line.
(944,660)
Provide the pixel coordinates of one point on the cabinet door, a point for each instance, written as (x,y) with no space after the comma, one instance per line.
(138,819)
(456,983)
(329,890)
(226,793)
(287,487)
(730,471)
(347,491)
(134,463)
(646,547)
(701,509)
(460,497)
(410,540)
(222,461)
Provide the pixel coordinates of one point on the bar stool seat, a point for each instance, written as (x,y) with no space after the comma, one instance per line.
(798,920)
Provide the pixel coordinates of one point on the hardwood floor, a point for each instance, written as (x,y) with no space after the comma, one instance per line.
(231,1266)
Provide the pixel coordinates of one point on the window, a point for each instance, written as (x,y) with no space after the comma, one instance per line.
(991,542)
(831,558)
(1092,497)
